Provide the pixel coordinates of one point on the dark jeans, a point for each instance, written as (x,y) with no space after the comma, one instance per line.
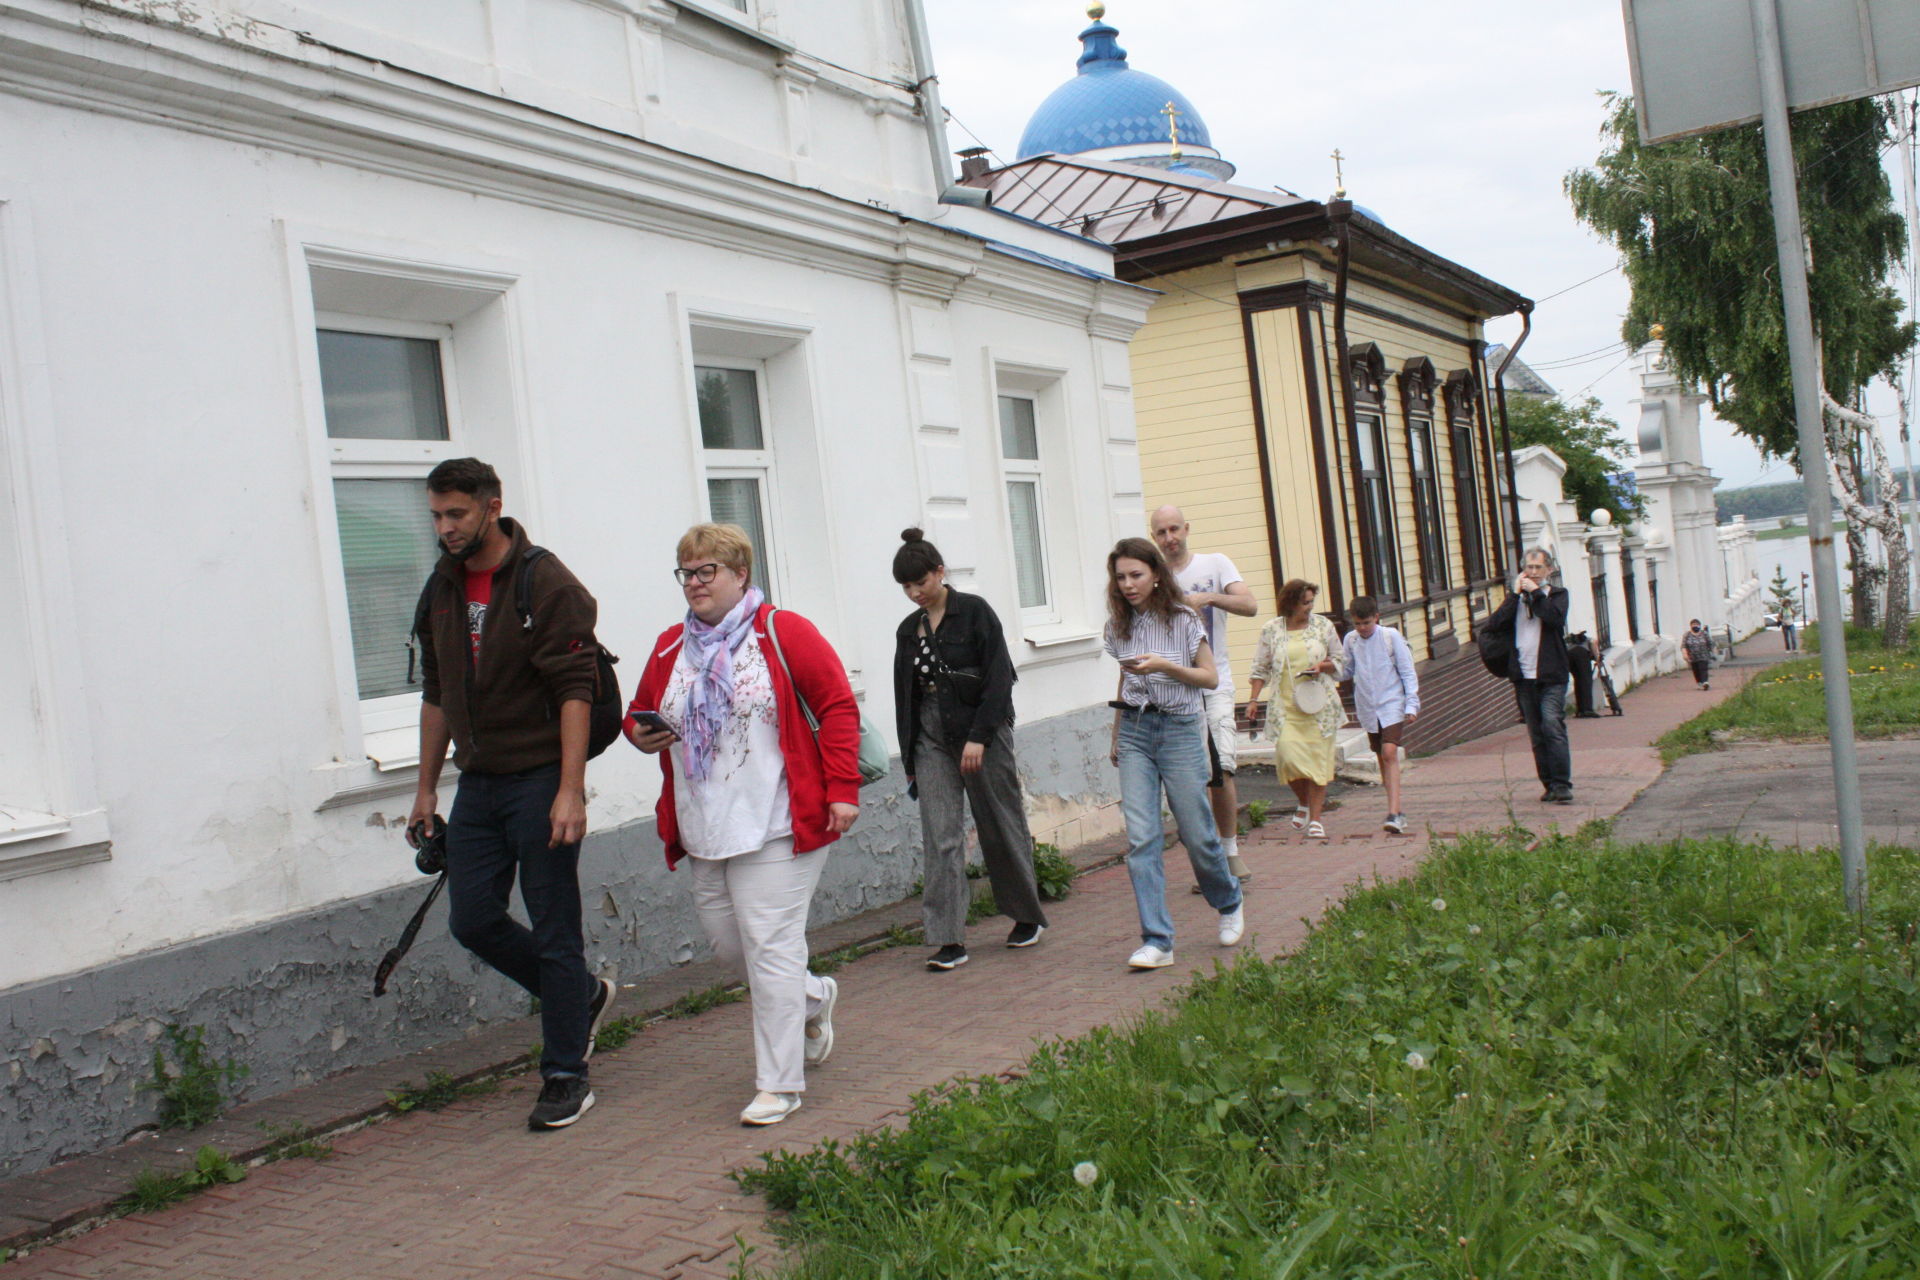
(1544,706)
(499,828)
(1701,669)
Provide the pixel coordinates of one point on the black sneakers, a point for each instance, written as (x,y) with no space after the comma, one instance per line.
(598,1008)
(1025,935)
(951,956)
(563,1099)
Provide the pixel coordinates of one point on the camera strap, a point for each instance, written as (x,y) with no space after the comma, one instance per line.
(391,961)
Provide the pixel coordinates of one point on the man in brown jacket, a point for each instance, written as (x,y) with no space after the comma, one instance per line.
(512,694)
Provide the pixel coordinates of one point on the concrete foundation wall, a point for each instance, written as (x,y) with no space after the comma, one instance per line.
(292,999)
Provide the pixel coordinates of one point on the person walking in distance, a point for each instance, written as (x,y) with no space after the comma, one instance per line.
(953,703)
(1165,663)
(1535,614)
(1787,631)
(513,697)
(1386,695)
(1698,646)
(1214,589)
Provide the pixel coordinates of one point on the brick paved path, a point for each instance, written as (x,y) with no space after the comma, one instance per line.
(638,1188)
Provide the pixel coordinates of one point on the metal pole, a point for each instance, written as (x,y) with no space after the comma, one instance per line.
(1803,358)
(1908,491)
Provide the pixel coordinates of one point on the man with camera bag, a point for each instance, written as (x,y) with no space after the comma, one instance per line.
(513,694)
(1535,615)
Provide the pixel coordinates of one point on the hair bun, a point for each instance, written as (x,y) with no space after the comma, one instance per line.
(912,535)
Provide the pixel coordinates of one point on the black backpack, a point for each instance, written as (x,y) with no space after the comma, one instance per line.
(608,710)
(1496,650)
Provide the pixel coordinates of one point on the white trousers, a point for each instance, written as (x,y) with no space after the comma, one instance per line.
(754,909)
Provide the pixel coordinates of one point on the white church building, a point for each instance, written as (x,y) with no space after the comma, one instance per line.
(263,263)
(1633,590)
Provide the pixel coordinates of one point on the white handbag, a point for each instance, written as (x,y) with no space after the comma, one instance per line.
(1310,693)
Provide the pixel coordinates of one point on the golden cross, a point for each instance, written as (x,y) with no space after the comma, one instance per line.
(1339,176)
(1173,114)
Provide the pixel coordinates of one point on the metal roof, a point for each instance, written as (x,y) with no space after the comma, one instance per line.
(1113,202)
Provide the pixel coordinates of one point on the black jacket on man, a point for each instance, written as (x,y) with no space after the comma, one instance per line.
(973,646)
(1549,604)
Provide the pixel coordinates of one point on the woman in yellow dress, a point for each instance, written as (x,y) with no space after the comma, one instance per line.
(1300,656)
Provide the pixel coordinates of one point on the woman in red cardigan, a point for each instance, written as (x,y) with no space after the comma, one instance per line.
(752,795)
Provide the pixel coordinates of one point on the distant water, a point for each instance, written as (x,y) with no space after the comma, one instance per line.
(1795,557)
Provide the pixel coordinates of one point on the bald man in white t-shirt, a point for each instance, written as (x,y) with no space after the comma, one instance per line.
(1214,589)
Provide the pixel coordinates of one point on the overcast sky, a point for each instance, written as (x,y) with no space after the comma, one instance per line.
(1458,122)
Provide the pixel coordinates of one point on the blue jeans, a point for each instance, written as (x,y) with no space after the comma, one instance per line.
(1169,751)
(499,828)
(1543,704)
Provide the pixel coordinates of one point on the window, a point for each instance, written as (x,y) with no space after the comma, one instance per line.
(1020,462)
(1426,506)
(382,390)
(388,407)
(1366,379)
(738,457)
(1462,397)
(1416,403)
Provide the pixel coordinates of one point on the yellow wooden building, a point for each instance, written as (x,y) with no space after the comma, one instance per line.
(1311,387)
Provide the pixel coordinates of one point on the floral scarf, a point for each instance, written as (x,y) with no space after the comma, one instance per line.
(710,648)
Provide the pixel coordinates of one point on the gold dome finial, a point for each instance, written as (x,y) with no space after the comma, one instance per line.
(1658,333)
(1096,10)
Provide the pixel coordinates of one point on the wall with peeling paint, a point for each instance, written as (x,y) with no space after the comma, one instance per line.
(292,999)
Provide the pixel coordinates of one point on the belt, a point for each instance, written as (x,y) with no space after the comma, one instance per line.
(1148,710)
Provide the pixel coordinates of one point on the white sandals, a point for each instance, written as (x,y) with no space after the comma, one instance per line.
(1315,831)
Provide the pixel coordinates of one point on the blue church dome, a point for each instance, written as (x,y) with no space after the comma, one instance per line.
(1113,109)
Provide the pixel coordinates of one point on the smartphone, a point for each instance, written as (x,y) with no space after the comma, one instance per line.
(652,722)
(1134,663)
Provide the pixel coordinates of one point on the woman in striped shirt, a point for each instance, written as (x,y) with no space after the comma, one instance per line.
(1159,741)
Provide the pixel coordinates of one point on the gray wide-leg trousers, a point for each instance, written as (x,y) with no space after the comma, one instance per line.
(1006,844)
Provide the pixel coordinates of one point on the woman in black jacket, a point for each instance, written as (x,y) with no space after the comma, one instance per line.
(953,697)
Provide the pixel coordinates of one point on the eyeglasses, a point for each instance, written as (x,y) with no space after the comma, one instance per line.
(702,573)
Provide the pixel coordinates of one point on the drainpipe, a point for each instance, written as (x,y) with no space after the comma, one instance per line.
(1525,309)
(1339,217)
(926,87)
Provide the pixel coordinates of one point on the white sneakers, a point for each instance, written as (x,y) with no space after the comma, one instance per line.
(1232,924)
(770,1108)
(1150,957)
(820,1025)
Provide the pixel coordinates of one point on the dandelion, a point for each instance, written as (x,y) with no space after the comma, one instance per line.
(1359,935)
(1438,904)
(1086,1173)
(1416,1061)
(1474,929)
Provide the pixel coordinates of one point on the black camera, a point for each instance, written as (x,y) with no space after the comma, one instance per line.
(429,841)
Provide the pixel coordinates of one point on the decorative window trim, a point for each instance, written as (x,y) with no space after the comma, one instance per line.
(1417,382)
(57,818)
(1460,395)
(1365,381)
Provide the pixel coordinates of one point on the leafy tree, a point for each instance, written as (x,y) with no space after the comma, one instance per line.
(1587,440)
(1694,226)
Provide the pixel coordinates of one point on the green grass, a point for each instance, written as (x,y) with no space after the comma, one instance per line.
(1796,530)
(438,1091)
(1579,1060)
(153,1189)
(1787,702)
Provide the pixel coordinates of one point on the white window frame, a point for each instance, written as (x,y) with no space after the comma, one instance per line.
(747,464)
(58,819)
(1024,376)
(1028,471)
(379,284)
(354,459)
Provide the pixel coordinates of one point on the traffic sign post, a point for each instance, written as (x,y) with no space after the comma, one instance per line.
(1701,65)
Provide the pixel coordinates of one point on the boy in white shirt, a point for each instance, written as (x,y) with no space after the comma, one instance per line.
(1386,695)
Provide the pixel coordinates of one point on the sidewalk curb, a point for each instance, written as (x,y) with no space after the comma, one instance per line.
(74,1196)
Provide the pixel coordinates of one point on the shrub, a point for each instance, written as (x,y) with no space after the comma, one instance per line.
(190,1094)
